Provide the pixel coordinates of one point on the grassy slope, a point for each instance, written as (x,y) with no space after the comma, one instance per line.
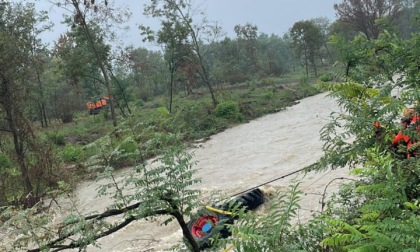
(193,118)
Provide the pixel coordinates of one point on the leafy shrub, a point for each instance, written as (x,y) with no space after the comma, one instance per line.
(325,77)
(56,137)
(271,231)
(304,81)
(9,180)
(5,161)
(104,114)
(72,153)
(268,95)
(139,103)
(270,81)
(228,110)
(128,146)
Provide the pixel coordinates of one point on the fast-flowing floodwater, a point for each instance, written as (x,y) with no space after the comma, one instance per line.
(243,157)
(237,159)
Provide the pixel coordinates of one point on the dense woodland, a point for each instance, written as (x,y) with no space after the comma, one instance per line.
(198,84)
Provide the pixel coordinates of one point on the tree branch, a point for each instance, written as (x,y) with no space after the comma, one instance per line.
(6,130)
(112,212)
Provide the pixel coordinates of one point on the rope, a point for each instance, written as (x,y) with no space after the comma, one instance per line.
(313,182)
(218,210)
(229,248)
(284,176)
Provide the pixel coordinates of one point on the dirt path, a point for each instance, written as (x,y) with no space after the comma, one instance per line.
(235,160)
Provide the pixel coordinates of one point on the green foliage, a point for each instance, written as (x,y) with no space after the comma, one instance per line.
(196,122)
(9,183)
(272,231)
(228,110)
(163,186)
(304,81)
(307,39)
(159,187)
(5,161)
(270,81)
(134,141)
(378,212)
(30,230)
(56,137)
(72,153)
(169,181)
(325,77)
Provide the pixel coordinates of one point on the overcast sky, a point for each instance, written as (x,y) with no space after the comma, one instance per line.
(270,16)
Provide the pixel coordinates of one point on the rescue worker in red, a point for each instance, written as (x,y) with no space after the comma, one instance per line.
(408,121)
(413,149)
(378,129)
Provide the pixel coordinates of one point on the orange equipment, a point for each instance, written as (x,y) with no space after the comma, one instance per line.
(96,106)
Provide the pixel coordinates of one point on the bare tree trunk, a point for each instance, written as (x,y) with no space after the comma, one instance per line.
(306,64)
(180,218)
(202,71)
(44,114)
(19,133)
(171,89)
(185,231)
(3,197)
(41,118)
(348,69)
(329,53)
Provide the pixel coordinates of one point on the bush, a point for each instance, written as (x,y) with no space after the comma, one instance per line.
(270,81)
(128,146)
(304,81)
(228,110)
(325,77)
(139,103)
(5,161)
(56,138)
(72,153)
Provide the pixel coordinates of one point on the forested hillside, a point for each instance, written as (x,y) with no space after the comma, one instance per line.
(82,109)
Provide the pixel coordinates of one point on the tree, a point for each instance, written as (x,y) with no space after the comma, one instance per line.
(67,77)
(160,188)
(276,57)
(40,60)
(248,34)
(307,40)
(384,201)
(17,68)
(228,62)
(182,11)
(173,37)
(362,15)
(324,25)
(80,20)
(87,15)
(78,69)
(406,21)
(147,72)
